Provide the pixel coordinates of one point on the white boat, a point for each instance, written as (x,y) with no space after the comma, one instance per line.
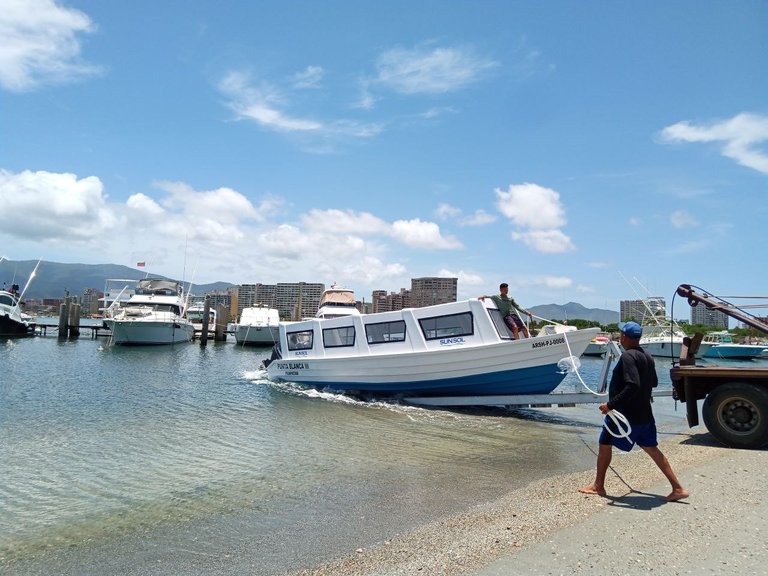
(336,302)
(196,314)
(598,346)
(258,326)
(723,347)
(663,340)
(459,349)
(13,322)
(154,314)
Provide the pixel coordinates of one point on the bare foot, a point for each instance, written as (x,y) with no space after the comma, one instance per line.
(592,489)
(677,494)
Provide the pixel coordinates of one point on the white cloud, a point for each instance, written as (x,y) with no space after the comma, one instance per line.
(265,104)
(446,211)
(419,234)
(682,219)
(634,221)
(479,218)
(548,241)
(531,206)
(310,77)
(740,137)
(552,282)
(344,222)
(40,44)
(538,215)
(427,70)
(464,278)
(50,206)
(261,105)
(449,212)
(221,229)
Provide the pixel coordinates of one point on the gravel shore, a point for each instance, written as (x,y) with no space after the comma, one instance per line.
(550,528)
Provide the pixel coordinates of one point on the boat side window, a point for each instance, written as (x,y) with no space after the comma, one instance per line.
(337,337)
(382,332)
(501,327)
(300,340)
(447,326)
(7,300)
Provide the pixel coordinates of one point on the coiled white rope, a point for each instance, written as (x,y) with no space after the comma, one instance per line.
(620,421)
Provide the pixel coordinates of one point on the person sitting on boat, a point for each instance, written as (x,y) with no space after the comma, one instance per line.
(508,308)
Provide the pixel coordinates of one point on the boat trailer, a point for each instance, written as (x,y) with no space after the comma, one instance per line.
(553,399)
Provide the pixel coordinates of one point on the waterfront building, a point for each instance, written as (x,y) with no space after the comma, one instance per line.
(428,291)
(383,302)
(704,316)
(644,311)
(91,302)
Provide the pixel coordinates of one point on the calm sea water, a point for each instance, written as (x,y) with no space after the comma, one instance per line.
(187,460)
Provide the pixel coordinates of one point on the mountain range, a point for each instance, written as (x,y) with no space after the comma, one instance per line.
(55,280)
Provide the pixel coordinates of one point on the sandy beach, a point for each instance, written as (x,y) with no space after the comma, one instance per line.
(550,528)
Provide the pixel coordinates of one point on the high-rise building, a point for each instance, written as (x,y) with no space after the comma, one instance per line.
(643,311)
(383,302)
(432,290)
(707,317)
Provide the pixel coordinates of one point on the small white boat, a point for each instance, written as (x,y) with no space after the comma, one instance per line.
(336,302)
(460,349)
(258,326)
(152,315)
(723,347)
(665,340)
(13,322)
(598,346)
(196,314)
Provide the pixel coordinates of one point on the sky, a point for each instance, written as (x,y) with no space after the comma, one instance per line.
(582,151)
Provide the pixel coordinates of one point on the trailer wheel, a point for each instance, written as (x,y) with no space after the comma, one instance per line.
(737,415)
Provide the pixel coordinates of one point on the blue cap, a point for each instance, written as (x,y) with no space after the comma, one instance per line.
(631,330)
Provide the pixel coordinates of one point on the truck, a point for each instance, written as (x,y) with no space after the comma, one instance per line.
(735,407)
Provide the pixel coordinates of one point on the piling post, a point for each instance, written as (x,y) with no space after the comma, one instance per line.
(206,312)
(222,316)
(74,320)
(63,317)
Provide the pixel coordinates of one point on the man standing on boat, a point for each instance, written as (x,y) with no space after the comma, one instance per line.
(630,393)
(508,308)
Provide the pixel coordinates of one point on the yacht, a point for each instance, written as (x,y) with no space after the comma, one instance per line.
(154,315)
(337,302)
(258,326)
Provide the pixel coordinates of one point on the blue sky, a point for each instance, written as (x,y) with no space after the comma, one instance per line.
(560,146)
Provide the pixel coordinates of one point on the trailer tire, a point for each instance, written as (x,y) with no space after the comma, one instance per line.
(737,415)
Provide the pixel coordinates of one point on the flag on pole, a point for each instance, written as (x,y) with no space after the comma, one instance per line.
(141,264)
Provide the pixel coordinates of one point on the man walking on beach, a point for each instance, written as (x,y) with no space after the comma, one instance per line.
(632,382)
(508,309)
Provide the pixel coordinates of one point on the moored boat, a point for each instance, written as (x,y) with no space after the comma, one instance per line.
(258,326)
(722,346)
(454,349)
(196,314)
(153,315)
(598,345)
(664,340)
(13,322)
(336,302)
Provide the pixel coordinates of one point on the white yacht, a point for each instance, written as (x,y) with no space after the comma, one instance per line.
(663,340)
(336,302)
(154,314)
(13,322)
(258,326)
